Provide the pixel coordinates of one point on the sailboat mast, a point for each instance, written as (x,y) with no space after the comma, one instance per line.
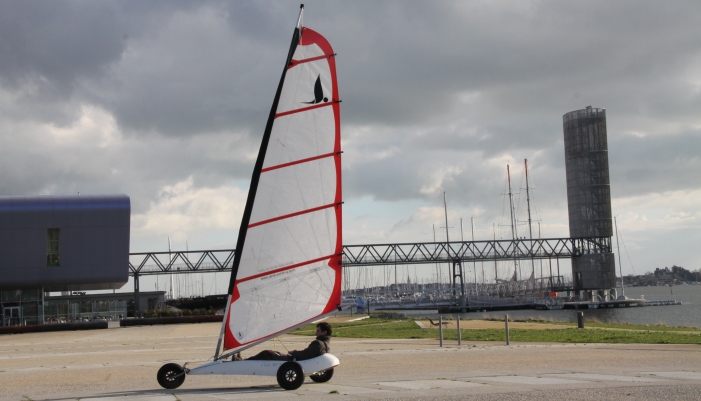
(438,269)
(170,259)
(528,204)
(255,178)
(447,239)
(511,209)
(511,203)
(252,193)
(445,209)
(528,201)
(496,274)
(300,19)
(474,264)
(620,266)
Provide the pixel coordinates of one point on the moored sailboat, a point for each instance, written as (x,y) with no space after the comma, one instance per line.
(287,268)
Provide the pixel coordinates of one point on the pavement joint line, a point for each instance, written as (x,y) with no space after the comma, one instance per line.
(603,378)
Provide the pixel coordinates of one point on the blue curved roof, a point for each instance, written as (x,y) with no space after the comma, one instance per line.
(62,202)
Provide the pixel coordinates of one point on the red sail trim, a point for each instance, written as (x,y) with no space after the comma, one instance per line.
(335,299)
(310,37)
(282,269)
(228,337)
(287,216)
(307,60)
(316,106)
(300,161)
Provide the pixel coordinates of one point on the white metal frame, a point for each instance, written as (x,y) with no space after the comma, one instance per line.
(262,368)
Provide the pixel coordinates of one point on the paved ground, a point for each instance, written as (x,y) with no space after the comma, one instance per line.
(121,364)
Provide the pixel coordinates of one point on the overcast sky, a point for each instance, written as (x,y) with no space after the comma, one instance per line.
(166,102)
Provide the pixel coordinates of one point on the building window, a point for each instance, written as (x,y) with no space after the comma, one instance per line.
(52,254)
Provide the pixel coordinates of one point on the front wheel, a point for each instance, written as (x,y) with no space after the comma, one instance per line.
(171,376)
(290,376)
(322,377)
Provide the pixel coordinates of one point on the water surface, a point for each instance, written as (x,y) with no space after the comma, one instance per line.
(688,314)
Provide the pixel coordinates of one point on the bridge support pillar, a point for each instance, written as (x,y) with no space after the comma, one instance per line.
(458,275)
(137,297)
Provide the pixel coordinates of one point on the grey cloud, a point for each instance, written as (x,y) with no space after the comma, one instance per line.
(425,54)
(653,164)
(639,166)
(54,44)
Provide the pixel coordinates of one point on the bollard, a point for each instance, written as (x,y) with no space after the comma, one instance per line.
(459,333)
(440,329)
(506,323)
(580,320)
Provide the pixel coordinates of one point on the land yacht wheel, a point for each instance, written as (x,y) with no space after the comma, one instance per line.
(290,375)
(322,377)
(171,376)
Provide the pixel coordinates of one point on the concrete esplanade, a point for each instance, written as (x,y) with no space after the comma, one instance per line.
(121,364)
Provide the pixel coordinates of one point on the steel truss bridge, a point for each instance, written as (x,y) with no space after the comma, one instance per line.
(220,260)
(455,253)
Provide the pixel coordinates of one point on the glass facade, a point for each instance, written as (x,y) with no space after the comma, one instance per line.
(21,306)
(76,310)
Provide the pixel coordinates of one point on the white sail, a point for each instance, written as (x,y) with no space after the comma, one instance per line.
(287,269)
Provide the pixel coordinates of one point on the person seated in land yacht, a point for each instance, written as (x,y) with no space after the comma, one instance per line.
(320,346)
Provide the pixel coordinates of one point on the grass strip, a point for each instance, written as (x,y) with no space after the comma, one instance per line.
(407,329)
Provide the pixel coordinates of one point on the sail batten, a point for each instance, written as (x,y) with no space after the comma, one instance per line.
(308,159)
(287,268)
(316,106)
(282,269)
(287,216)
(306,60)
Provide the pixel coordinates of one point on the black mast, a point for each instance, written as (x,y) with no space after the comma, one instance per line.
(259,162)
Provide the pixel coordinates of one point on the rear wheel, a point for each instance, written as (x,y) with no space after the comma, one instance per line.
(171,376)
(322,377)
(290,376)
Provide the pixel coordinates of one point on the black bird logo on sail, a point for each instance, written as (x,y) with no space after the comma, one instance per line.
(318,92)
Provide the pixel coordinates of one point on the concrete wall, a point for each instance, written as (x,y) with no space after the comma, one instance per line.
(93,245)
(595,271)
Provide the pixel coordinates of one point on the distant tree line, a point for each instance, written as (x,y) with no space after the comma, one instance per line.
(679,272)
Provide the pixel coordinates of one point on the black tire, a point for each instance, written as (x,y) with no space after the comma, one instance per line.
(168,376)
(322,377)
(290,376)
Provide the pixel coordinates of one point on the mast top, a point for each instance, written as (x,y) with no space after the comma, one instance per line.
(300,20)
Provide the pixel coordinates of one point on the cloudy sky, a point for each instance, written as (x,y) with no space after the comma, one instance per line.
(166,102)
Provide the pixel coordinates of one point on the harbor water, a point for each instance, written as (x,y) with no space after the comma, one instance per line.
(688,314)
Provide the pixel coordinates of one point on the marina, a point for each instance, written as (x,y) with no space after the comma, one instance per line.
(688,314)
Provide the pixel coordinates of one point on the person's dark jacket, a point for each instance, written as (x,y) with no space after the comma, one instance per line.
(317,347)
